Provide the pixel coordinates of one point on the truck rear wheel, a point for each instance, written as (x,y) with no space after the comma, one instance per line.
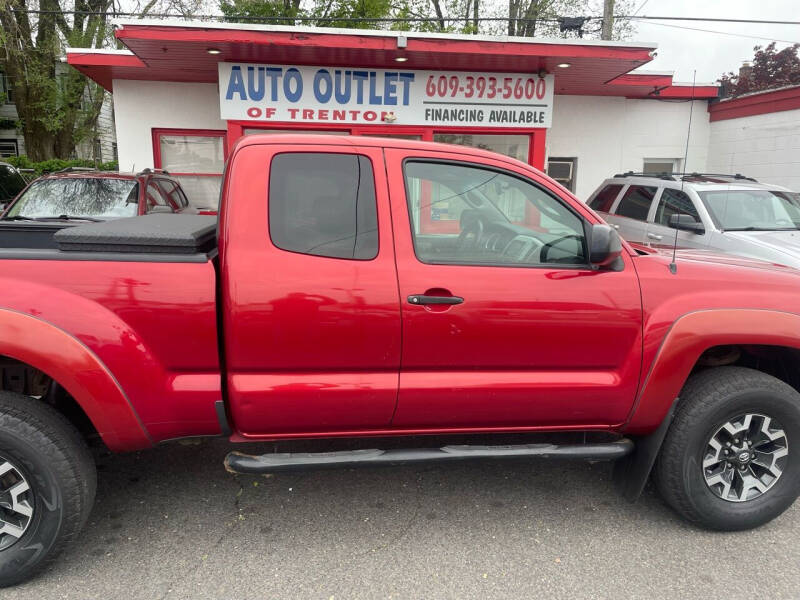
(731,458)
(47,485)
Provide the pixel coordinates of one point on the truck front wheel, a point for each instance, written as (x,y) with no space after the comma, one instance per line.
(47,485)
(731,458)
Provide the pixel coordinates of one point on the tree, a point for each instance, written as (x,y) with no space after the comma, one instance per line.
(57,105)
(525,18)
(321,13)
(771,68)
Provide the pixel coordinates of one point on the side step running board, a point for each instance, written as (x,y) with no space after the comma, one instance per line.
(237,462)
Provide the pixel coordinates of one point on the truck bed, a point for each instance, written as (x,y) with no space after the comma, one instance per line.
(140,294)
(30,234)
(148,238)
(151,234)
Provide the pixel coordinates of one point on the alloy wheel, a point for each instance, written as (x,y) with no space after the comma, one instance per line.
(16,504)
(745,457)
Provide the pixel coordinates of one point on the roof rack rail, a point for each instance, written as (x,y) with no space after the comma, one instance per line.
(674,175)
(148,170)
(76,169)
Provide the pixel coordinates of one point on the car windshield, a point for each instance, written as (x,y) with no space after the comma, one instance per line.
(99,197)
(753,210)
(11,183)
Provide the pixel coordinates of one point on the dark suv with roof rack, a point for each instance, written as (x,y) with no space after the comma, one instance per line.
(733,214)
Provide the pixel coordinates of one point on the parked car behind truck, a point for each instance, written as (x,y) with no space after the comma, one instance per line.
(726,213)
(78,193)
(336,302)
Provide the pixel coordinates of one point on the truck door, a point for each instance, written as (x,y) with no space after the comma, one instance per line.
(311,312)
(505,324)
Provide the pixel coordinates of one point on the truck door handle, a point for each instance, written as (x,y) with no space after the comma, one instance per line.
(423,299)
(655,236)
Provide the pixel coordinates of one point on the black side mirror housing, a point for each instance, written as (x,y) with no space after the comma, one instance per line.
(686,223)
(605,248)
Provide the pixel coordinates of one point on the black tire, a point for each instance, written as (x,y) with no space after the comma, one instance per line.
(708,400)
(53,458)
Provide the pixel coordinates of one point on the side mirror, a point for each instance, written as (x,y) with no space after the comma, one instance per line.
(605,247)
(686,223)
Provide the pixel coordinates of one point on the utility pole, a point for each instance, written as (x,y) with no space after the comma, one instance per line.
(608,19)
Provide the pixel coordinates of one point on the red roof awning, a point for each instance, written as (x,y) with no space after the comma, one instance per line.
(178,51)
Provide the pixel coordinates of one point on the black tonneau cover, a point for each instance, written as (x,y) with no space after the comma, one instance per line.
(160,233)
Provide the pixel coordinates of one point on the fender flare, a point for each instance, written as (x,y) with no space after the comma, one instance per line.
(80,371)
(690,336)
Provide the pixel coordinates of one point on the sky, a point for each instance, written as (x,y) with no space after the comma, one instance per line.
(684,51)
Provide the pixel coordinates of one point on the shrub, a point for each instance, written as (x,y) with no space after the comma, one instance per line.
(56,164)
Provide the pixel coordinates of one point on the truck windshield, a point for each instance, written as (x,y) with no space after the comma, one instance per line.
(101,197)
(753,210)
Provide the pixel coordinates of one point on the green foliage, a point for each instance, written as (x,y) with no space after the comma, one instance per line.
(770,68)
(331,13)
(56,164)
(525,18)
(56,104)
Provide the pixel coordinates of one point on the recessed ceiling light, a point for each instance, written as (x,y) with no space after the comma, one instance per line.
(400,58)
(214,51)
(563,65)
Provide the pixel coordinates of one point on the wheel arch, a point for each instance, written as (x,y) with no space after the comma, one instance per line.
(70,363)
(692,335)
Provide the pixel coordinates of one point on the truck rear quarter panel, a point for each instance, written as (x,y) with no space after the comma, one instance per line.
(150,325)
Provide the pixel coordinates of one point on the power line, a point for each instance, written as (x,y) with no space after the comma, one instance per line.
(709,19)
(234,18)
(740,35)
(641,6)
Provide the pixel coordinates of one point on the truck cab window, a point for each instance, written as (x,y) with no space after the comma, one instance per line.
(502,220)
(323,204)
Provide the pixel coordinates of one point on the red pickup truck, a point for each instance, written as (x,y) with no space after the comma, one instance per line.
(364,288)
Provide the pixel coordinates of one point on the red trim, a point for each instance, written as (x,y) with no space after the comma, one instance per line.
(98,66)
(98,59)
(158,132)
(642,79)
(700,92)
(374,42)
(756,104)
(536,149)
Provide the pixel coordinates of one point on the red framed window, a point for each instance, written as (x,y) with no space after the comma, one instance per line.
(196,158)
(526,145)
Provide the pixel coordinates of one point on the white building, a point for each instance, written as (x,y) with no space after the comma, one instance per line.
(185,92)
(759,135)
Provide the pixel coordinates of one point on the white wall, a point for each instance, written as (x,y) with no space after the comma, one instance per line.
(766,147)
(140,106)
(103,132)
(607,135)
(611,135)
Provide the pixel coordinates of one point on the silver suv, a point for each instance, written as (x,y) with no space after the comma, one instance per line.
(727,213)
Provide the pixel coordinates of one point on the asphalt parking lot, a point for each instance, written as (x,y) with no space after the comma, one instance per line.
(172,523)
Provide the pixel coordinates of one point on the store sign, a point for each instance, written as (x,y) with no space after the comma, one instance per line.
(249,92)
